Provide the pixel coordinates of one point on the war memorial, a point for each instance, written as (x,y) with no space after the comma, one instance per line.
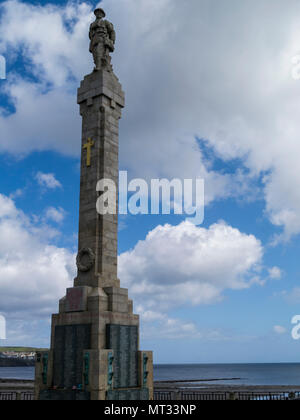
(95,351)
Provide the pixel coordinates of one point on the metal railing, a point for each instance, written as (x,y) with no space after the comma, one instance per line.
(16,396)
(223,396)
(195,396)
(176,395)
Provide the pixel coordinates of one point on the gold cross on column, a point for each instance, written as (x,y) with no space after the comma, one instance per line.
(88,146)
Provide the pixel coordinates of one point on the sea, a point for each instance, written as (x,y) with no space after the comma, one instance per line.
(211,374)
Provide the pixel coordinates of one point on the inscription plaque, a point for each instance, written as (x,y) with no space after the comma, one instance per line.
(53,395)
(128,394)
(123,339)
(69,343)
(76,299)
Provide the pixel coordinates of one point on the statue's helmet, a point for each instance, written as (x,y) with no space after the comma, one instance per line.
(100,13)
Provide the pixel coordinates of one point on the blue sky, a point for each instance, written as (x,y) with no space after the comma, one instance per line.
(200,103)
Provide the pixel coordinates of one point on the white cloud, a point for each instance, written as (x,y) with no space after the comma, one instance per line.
(48,181)
(159,325)
(223,74)
(187,265)
(278,329)
(275,273)
(51,101)
(25,28)
(46,116)
(33,273)
(56,215)
(43,120)
(16,194)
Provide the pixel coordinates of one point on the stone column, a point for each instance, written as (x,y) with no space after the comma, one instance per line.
(101,101)
(95,350)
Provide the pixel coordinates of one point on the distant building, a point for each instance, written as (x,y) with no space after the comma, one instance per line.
(18,355)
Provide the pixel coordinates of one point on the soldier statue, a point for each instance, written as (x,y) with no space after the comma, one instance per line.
(103,38)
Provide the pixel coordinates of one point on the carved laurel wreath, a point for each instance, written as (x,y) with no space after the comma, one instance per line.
(89,256)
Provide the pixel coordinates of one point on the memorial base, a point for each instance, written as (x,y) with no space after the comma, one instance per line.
(95,355)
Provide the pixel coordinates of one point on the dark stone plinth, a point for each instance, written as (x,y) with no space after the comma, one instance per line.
(57,395)
(69,343)
(128,394)
(123,339)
